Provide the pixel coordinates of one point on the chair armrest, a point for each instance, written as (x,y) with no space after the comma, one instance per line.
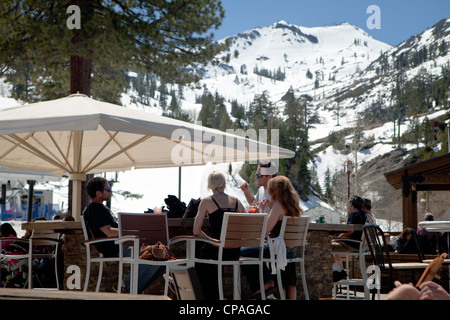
(346,239)
(14,243)
(99,240)
(2,239)
(362,249)
(55,241)
(214,242)
(182,238)
(134,239)
(176,239)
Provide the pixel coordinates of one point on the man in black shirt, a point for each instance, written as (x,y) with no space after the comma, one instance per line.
(99,217)
(102,224)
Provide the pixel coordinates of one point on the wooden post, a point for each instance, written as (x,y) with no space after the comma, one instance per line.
(410,210)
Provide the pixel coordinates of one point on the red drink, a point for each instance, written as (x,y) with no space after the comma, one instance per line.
(253,210)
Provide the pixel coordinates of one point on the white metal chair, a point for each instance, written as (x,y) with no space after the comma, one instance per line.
(239,230)
(16,259)
(293,231)
(46,245)
(89,241)
(149,229)
(361,255)
(42,244)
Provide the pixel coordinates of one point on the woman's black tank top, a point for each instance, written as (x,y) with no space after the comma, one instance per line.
(216,218)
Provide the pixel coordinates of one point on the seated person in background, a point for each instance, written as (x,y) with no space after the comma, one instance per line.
(405,242)
(357,216)
(102,224)
(7,231)
(429,240)
(387,238)
(367,208)
(266,171)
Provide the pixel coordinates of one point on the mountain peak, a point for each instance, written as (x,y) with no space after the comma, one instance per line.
(281,22)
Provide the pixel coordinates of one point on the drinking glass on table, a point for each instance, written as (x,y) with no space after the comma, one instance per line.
(253,208)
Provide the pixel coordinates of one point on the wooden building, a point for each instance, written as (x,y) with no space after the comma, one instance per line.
(428,175)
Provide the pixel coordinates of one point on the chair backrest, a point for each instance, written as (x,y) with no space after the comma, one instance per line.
(149,227)
(243,229)
(376,242)
(45,237)
(294,231)
(86,231)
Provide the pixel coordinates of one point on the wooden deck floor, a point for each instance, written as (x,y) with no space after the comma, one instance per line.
(42,294)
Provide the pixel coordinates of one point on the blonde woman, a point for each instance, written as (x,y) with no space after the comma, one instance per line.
(285,202)
(214,208)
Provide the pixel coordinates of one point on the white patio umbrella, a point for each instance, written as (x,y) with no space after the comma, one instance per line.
(77,135)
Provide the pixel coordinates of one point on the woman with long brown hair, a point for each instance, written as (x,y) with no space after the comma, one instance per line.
(285,202)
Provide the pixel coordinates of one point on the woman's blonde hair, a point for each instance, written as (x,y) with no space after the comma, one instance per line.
(281,189)
(216,181)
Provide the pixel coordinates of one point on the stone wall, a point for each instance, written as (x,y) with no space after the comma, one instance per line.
(318,262)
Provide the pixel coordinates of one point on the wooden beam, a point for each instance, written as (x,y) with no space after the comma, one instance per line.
(436,179)
(409,207)
(433,187)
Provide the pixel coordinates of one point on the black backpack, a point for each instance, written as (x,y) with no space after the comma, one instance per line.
(175,206)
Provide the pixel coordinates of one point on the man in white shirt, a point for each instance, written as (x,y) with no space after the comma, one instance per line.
(266,171)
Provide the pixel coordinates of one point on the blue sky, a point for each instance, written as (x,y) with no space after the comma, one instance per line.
(400,19)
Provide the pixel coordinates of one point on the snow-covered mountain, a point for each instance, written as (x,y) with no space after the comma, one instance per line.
(308,57)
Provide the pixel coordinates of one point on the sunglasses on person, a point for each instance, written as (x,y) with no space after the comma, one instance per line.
(258,175)
(107,189)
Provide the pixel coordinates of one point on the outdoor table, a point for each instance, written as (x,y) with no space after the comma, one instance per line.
(56,225)
(439,226)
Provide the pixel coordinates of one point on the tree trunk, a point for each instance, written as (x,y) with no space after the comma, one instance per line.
(80,75)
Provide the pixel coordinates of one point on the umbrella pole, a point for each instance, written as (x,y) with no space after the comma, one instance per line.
(179,183)
(30,200)
(77,180)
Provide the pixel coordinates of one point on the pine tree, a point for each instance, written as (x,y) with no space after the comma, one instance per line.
(222,119)
(304,174)
(238,112)
(207,112)
(159,37)
(328,194)
(262,113)
(294,119)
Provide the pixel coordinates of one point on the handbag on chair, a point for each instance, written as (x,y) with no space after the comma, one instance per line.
(158,252)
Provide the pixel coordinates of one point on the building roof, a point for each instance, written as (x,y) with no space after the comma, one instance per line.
(432,174)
